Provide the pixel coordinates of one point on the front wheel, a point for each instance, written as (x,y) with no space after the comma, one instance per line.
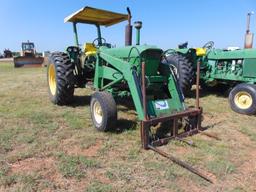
(242,99)
(103,111)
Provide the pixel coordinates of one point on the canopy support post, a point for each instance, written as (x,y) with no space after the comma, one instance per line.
(99,35)
(75,33)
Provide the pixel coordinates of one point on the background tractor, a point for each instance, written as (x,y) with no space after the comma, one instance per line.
(231,69)
(130,71)
(28,56)
(7,54)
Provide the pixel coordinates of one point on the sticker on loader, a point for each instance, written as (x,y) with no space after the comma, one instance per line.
(161,105)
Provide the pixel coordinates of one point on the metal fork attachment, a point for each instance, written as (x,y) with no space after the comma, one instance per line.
(149,141)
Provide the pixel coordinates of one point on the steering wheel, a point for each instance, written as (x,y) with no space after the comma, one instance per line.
(209,45)
(103,41)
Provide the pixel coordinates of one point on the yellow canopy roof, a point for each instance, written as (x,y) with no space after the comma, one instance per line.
(91,15)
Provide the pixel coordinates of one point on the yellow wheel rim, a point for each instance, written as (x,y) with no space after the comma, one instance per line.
(243,100)
(52,79)
(97,112)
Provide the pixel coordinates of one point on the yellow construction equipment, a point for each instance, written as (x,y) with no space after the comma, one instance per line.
(28,56)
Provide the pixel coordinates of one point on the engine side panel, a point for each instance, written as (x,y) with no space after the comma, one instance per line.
(249,68)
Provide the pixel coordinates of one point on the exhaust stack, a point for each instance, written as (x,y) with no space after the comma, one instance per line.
(128,29)
(248,36)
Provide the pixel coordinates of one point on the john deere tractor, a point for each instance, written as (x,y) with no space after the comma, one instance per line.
(140,72)
(133,70)
(223,69)
(231,69)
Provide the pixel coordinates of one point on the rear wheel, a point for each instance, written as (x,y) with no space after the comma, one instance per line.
(103,111)
(60,78)
(242,99)
(183,69)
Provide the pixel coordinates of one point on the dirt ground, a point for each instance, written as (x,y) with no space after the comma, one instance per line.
(44,147)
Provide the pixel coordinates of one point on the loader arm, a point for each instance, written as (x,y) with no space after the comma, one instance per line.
(116,69)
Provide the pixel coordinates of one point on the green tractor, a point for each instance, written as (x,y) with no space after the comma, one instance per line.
(137,71)
(113,72)
(232,69)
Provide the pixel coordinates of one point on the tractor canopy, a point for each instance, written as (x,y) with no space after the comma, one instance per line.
(95,16)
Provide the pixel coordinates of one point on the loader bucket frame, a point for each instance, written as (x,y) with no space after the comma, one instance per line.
(149,143)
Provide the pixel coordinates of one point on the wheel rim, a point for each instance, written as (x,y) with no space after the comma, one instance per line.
(52,79)
(97,112)
(243,100)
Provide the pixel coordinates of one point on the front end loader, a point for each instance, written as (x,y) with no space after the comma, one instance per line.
(134,71)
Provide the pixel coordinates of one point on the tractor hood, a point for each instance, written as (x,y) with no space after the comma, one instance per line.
(151,55)
(133,51)
(235,54)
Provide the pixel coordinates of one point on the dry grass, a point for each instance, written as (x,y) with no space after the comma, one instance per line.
(50,148)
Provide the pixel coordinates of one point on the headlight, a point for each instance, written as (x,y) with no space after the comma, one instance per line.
(70,49)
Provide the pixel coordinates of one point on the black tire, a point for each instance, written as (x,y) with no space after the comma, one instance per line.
(108,113)
(64,78)
(242,99)
(183,69)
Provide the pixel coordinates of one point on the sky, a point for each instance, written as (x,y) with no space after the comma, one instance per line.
(166,23)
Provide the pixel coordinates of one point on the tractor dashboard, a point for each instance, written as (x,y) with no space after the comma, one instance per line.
(73,49)
(73,52)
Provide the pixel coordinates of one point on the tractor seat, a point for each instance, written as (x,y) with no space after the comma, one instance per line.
(200,52)
(89,49)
